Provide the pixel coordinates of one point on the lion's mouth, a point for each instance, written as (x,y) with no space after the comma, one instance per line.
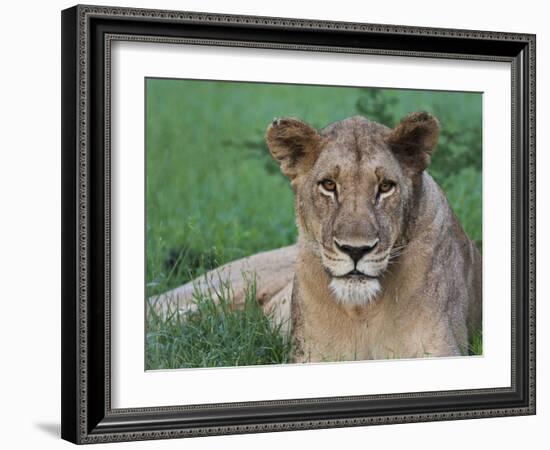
(357,275)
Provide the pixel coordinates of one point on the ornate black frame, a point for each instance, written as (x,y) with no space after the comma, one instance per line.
(87,31)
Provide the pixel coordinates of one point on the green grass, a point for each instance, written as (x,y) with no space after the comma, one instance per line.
(215,335)
(214,194)
(476,344)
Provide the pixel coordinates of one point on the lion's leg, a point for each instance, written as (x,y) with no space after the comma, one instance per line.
(278,307)
(273,272)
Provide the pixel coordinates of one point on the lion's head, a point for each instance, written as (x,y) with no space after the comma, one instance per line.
(354,183)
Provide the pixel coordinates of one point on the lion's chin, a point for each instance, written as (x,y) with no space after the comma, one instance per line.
(355,292)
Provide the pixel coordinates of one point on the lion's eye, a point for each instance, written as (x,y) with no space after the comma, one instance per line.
(328,185)
(386,186)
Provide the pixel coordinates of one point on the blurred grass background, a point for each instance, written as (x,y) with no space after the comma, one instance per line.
(214,194)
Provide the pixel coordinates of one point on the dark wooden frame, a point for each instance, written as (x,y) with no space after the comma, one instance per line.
(87,32)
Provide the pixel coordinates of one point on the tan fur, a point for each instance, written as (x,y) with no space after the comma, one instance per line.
(428,299)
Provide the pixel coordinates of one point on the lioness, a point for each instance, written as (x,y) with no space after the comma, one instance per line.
(382,268)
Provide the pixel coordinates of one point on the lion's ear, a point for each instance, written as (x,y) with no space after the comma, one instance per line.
(294,144)
(414,139)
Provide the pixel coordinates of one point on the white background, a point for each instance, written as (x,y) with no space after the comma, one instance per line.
(132,387)
(30,225)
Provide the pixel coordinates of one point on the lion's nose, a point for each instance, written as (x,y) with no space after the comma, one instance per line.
(356,252)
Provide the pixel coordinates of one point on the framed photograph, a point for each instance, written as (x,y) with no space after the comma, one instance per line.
(281,224)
